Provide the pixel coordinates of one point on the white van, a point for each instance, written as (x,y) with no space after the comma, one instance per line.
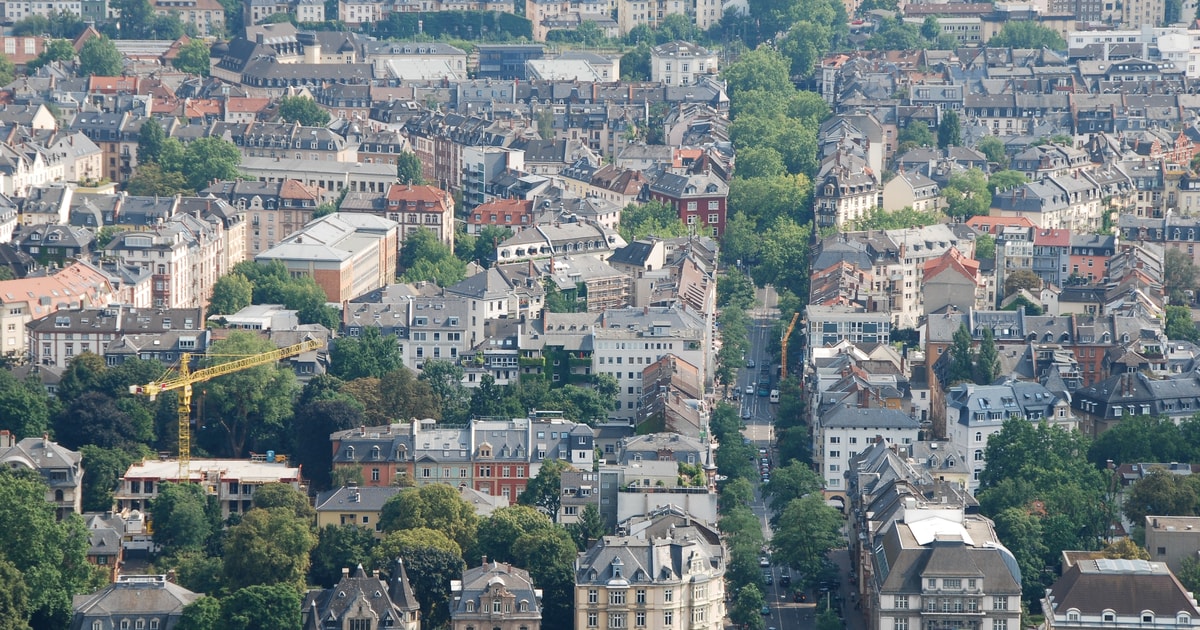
(774,395)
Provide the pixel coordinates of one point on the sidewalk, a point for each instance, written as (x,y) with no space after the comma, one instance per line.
(853,618)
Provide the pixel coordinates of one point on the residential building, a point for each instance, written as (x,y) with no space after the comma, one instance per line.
(365,601)
(57,338)
(79,285)
(496,595)
(56,244)
(974,413)
(673,397)
(105,548)
(843,432)
(231,481)
(546,241)
(1118,593)
(60,467)
(185,255)
(422,207)
(939,567)
(666,570)
(699,200)
(911,190)
(511,214)
(1172,539)
(146,601)
(332,177)
(681,63)
(273,210)
(831,325)
(352,505)
(208,16)
(348,254)
(845,191)
(626,341)
(1138,13)
(382,454)
(953,280)
(671,447)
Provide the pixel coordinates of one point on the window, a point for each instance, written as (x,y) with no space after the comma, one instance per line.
(999,624)
(952,584)
(470,606)
(592,596)
(932,582)
(639,619)
(669,595)
(592,620)
(616,597)
(616,620)
(999,603)
(640,596)
(900,623)
(1147,617)
(698,615)
(901,602)
(668,617)
(1109,616)
(495,605)
(700,591)
(360,624)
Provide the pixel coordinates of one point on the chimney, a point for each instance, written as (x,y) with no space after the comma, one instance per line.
(345,572)
(45,440)
(484,562)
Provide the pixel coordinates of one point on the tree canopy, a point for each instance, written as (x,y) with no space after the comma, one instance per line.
(100,57)
(303,110)
(1027,34)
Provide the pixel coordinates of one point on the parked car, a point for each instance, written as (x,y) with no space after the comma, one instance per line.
(750,390)
(750,364)
(764,561)
(770,579)
(766,610)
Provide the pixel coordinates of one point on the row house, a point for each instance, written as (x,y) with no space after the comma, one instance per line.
(495,457)
(117,136)
(429,327)
(1089,255)
(78,285)
(621,186)
(841,432)
(271,210)
(1050,160)
(330,177)
(54,340)
(231,482)
(206,16)
(1072,203)
(953,280)
(1172,232)
(285,140)
(1104,404)
(845,191)
(185,255)
(422,207)
(382,146)
(440,140)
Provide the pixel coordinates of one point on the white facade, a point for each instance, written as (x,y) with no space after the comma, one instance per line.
(681,63)
(845,432)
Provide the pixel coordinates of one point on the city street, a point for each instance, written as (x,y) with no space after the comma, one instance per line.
(786,614)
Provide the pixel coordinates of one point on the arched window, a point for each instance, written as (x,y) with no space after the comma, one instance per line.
(374,452)
(349,452)
(978,455)
(470,606)
(58,496)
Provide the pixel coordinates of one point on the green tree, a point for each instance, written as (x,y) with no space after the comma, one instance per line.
(251,404)
(994,149)
(232,293)
(150,180)
(949,130)
(135,19)
(639,220)
(270,496)
(754,162)
(987,361)
(268,547)
(24,407)
(100,57)
(789,483)
(1144,439)
(588,529)
(1160,493)
(371,353)
(1005,180)
(808,529)
(321,417)
(967,194)
(431,561)
(14,598)
(151,137)
(445,381)
(1125,549)
(408,169)
(880,219)
(1189,573)
(407,396)
(105,467)
(767,199)
(338,547)
(50,554)
(209,159)
(436,506)
(761,69)
(262,606)
(635,64)
(735,288)
(180,519)
(917,133)
(486,243)
(1179,276)
(95,418)
(424,257)
(1022,533)
(1180,324)
(1027,34)
(59,50)
(303,110)
(783,257)
(197,571)
(202,614)
(549,555)
(193,58)
(499,532)
(544,490)
(1022,279)
(961,356)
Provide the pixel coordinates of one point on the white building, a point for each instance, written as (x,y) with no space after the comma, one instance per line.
(232,481)
(681,63)
(843,432)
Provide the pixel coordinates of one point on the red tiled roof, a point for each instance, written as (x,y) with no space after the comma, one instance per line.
(1052,238)
(246,104)
(414,194)
(952,260)
(295,189)
(993,225)
(493,212)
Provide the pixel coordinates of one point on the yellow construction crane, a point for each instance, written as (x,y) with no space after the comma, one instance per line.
(185,378)
(784,344)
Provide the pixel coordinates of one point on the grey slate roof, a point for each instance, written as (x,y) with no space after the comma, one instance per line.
(875,418)
(365,499)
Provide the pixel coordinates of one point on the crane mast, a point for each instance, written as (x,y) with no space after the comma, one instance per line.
(784,344)
(185,378)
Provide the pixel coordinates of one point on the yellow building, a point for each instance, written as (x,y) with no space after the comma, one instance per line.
(353,505)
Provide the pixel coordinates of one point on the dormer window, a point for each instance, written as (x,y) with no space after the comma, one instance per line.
(350,452)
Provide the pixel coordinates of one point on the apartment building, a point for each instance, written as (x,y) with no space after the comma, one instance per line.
(843,432)
(422,207)
(79,285)
(666,571)
(495,595)
(61,468)
(273,210)
(57,338)
(185,255)
(232,481)
(681,63)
